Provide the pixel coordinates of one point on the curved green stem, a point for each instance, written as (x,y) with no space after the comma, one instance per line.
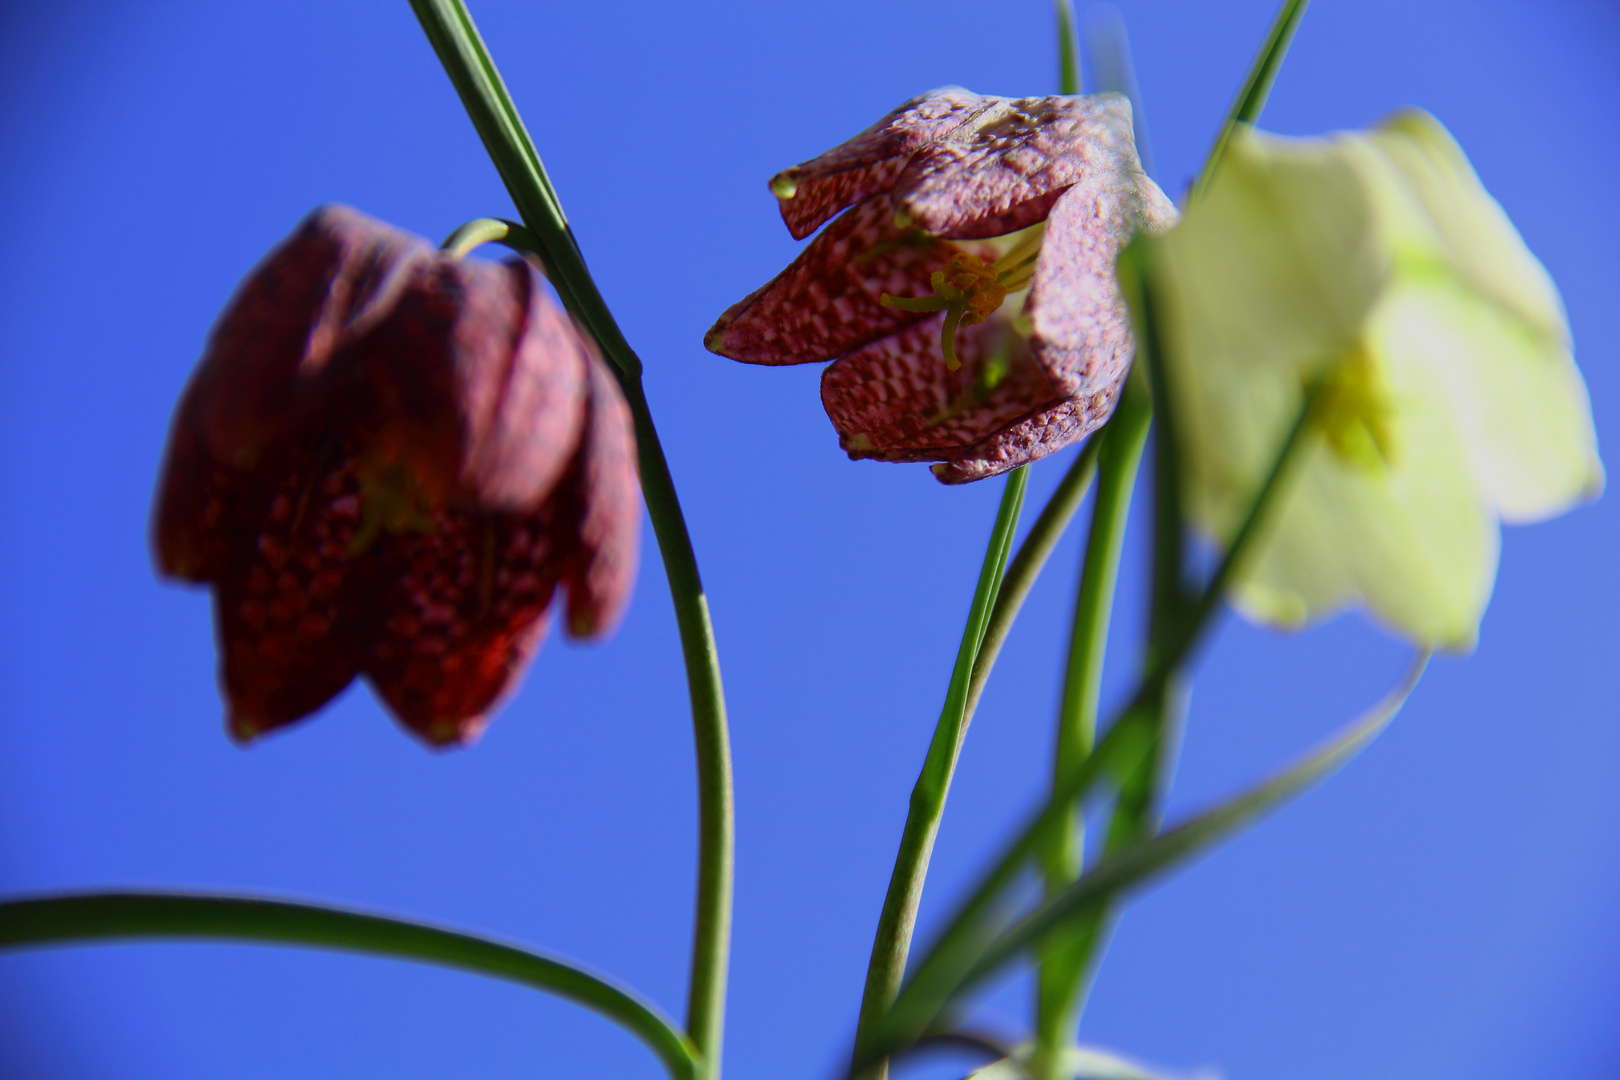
(490,230)
(471,70)
(898,919)
(61,920)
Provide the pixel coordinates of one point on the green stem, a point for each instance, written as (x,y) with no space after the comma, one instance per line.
(490,230)
(1251,100)
(100,917)
(1068,53)
(1058,980)
(964,959)
(461,51)
(1025,567)
(898,920)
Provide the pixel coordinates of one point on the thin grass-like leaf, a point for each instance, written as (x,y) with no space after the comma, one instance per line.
(931,993)
(64,920)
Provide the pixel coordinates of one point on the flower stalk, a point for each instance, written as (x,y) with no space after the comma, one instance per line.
(467,62)
(898,920)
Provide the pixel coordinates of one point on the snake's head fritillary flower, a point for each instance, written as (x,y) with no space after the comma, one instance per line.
(966,292)
(1374,269)
(386,463)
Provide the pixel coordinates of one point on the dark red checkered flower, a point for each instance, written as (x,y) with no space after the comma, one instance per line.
(967,294)
(385,465)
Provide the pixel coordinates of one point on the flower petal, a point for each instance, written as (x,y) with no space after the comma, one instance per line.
(460,612)
(334,278)
(1412,540)
(1517,398)
(198,504)
(1043,432)
(483,377)
(1080,327)
(828,300)
(1004,165)
(867,164)
(1430,198)
(895,400)
(286,602)
(603,493)
(1268,280)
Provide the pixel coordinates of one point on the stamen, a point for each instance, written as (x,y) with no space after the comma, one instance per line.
(1355,414)
(965,288)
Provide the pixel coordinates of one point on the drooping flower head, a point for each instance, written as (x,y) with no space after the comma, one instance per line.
(967,290)
(1373,269)
(386,463)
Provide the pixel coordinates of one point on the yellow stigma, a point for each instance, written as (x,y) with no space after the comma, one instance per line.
(970,291)
(1354,412)
(784,185)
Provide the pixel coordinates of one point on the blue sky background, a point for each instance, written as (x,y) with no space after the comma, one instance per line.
(1443,909)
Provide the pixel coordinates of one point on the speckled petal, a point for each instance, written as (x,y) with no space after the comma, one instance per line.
(197,507)
(1080,325)
(895,400)
(483,379)
(1013,155)
(868,164)
(286,602)
(828,300)
(461,608)
(600,499)
(334,278)
(1031,438)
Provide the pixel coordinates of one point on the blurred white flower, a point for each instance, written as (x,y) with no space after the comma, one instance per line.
(1375,267)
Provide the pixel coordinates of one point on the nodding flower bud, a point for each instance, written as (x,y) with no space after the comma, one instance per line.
(386,464)
(966,293)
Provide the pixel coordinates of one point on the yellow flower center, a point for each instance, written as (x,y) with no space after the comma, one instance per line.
(1354,412)
(969,291)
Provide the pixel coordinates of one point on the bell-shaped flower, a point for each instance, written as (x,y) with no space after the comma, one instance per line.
(1373,271)
(386,463)
(967,291)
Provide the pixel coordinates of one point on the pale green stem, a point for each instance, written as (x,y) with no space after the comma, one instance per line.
(455,39)
(898,920)
(490,231)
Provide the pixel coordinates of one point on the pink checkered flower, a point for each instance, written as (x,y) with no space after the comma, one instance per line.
(966,293)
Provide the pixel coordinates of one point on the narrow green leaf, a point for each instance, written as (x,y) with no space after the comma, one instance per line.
(1251,100)
(61,920)
(1190,839)
(939,983)
(1068,54)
